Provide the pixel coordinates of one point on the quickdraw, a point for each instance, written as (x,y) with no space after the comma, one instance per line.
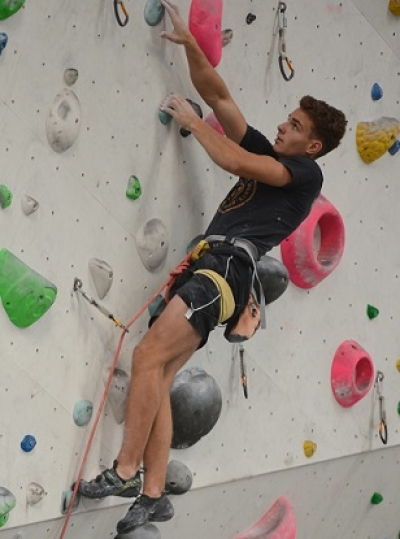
(117,4)
(243,374)
(282,25)
(383,430)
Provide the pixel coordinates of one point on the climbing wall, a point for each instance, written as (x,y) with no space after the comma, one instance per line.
(79,98)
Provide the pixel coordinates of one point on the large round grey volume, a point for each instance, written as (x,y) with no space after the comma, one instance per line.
(274,277)
(196,403)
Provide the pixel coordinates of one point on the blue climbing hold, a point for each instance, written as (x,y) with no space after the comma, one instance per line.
(164,117)
(28,443)
(376,92)
(82,414)
(395,148)
(3,41)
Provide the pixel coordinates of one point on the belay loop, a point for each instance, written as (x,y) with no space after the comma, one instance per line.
(282,25)
(121,22)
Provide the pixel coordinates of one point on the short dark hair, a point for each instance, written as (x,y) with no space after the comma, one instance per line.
(329,123)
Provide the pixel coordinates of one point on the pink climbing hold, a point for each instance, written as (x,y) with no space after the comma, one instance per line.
(277,523)
(316,247)
(212,121)
(352,373)
(205,18)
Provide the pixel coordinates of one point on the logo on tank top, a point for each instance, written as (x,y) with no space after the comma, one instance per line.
(239,195)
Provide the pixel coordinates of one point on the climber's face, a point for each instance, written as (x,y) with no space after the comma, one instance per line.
(296,137)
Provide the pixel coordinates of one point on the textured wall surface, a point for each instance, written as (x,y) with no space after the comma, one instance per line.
(255,452)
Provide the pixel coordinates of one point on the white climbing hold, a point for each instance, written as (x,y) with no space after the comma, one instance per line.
(34,493)
(102,275)
(28,204)
(63,121)
(70,76)
(118,394)
(152,243)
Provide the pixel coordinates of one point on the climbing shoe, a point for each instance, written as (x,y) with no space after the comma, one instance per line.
(145,509)
(109,483)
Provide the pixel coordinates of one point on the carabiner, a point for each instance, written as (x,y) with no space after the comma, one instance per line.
(124,11)
(383,430)
(282,25)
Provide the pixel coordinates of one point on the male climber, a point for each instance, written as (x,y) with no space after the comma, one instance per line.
(275,191)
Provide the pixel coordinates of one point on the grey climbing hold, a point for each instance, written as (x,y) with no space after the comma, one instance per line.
(179,478)
(185,132)
(63,121)
(29,205)
(82,413)
(148,531)
(227,36)
(118,394)
(153,12)
(34,493)
(152,243)
(7,503)
(5,197)
(70,76)
(102,275)
(274,277)
(196,404)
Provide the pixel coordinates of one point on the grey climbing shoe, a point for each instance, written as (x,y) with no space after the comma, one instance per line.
(109,483)
(145,509)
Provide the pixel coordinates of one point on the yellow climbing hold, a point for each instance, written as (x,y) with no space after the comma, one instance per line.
(309,448)
(398,364)
(394,6)
(375,138)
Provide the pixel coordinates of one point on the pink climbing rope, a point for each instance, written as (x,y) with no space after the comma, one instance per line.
(106,389)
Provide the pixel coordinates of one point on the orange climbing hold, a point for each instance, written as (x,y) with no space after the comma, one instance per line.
(205,18)
(277,523)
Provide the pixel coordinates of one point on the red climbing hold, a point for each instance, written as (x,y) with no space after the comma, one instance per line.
(277,523)
(316,247)
(212,121)
(205,24)
(352,373)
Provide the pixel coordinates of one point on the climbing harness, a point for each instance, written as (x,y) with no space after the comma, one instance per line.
(103,310)
(117,4)
(383,430)
(243,374)
(282,25)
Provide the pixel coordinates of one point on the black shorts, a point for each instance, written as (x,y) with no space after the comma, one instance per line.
(200,293)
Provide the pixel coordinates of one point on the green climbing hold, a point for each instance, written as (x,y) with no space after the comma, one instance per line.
(5,197)
(7,503)
(134,189)
(376,498)
(398,411)
(26,295)
(164,117)
(9,7)
(153,12)
(372,312)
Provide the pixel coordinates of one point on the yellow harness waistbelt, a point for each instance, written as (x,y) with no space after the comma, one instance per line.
(227,303)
